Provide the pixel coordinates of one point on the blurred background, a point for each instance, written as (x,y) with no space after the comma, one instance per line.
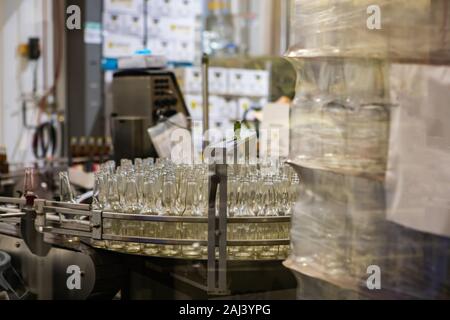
(56,84)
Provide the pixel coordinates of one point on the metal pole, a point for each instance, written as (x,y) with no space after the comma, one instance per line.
(205,94)
(285,21)
(222,272)
(213,182)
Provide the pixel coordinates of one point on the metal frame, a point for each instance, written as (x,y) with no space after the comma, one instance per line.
(51,217)
(217,232)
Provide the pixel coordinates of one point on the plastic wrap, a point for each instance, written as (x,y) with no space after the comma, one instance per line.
(366,136)
(412,30)
(371,145)
(340,229)
(340,118)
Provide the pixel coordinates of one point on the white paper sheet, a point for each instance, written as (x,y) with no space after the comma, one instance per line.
(161,134)
(276,124)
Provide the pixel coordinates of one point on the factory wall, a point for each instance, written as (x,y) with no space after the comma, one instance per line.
(20,20)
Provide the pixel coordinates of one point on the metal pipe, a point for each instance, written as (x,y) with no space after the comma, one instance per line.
(56,218)
(19,201)
(68,211)
(9,210)
(12,215)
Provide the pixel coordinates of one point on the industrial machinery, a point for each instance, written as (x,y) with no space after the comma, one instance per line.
(142,98)
(59,239)
(39,262)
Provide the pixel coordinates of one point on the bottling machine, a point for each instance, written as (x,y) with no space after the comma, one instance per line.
(49,243)
(141,99)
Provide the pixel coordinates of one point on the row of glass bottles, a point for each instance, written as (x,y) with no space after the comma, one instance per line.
(163,188)
(149,188)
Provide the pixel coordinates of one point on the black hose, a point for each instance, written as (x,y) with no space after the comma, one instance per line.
(44,140)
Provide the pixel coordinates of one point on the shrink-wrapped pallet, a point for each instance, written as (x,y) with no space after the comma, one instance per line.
(395,29)
(370,141)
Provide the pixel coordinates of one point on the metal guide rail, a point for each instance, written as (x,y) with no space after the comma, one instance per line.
(80,220)
(93,226)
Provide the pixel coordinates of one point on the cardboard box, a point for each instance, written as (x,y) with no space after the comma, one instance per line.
(244,104)
(184,51)
(194,105)
(133,25)
(186,8)
(113,22)
(233,110)
(193,80)
(116,46)
(236,82)
(257,83)
(178,28)
(154,29)
(159,8)
(124,6)
(218,81)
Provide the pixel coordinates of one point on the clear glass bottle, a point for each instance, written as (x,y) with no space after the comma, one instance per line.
(267,231)
(150,229)
(244,230)
(113,204)
(131,204)
(171,230)
(65,188)
(98,202)
(193,202)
